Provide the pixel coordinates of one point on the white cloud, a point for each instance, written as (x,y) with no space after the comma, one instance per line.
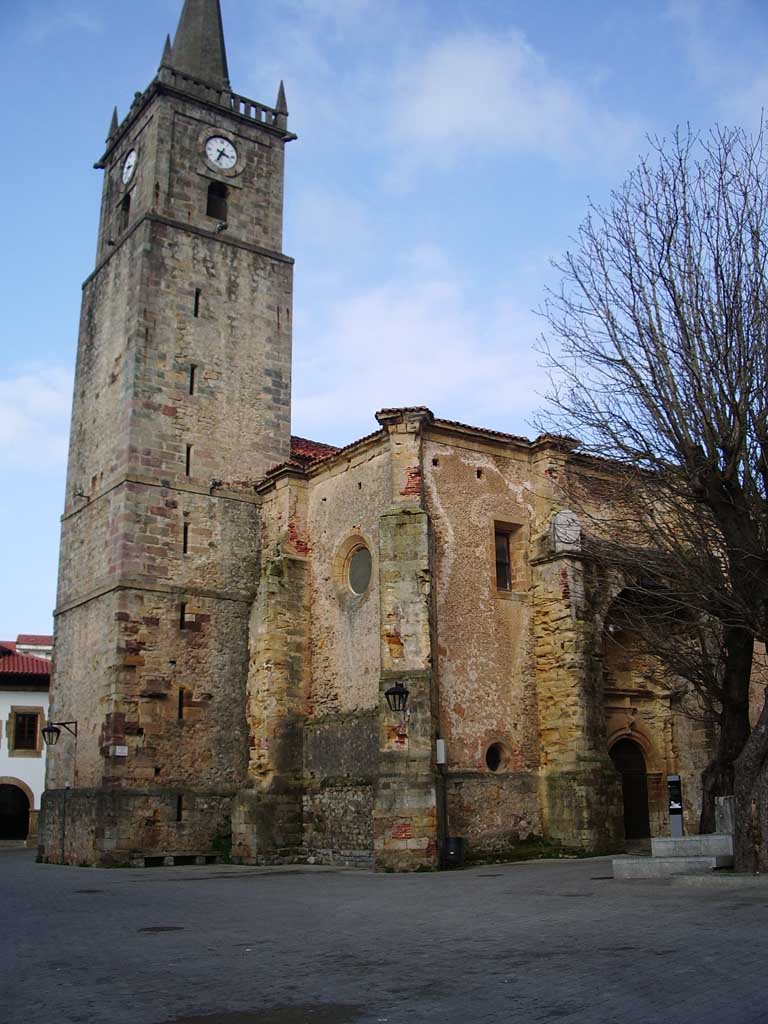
(34,419)
(484,93)
(41,29)
(418,340)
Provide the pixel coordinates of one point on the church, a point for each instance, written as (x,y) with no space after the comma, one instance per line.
(389,654)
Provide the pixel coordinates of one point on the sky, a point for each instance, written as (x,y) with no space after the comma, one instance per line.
(447,152)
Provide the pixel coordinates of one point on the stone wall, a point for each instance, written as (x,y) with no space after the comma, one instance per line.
(345,503)
(340,755)
(267,821)
(497,814)
(98,827)
(487,691)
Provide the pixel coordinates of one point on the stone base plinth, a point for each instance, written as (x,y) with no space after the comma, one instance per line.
(116,828)
(405,825)
(665,867)
(582,808)
(267,826)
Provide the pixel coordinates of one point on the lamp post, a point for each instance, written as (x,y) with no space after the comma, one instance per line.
(52,731)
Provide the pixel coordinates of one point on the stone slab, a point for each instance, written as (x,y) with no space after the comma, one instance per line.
(713,845)
(666,867)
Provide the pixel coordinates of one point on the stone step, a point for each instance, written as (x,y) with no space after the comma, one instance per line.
(170,860)
(665,867)
(713,845)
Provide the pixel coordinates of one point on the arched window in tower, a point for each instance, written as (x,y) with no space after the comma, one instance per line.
(125,212)
(217,201)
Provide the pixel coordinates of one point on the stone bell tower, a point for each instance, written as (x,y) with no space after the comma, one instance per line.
(182,402)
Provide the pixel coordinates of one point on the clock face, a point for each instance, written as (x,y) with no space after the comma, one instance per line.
(129,166)
(221,153)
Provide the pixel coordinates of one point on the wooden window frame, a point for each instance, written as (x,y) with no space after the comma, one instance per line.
(513,532)
(13,750)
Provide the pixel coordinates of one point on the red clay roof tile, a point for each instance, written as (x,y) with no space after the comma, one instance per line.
(303,450)
(14,664)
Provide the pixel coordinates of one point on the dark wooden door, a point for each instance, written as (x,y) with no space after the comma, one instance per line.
(629,761)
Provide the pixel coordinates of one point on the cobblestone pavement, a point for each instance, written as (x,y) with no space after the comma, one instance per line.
(538,942)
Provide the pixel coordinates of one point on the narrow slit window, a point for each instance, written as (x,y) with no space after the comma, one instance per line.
(188,462)
(192,374)
(179,808)
(503,561)
(217,201)
(125,212)
(198,294)
(182,616)
(185,539)
(181,703)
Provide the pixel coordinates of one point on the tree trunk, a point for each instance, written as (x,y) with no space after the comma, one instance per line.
(718,778)
(751,789)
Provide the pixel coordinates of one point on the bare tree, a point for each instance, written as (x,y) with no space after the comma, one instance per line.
(657,347)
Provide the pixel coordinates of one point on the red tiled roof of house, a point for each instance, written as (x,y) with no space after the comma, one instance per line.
(14,664)
(34,640)
(303,450)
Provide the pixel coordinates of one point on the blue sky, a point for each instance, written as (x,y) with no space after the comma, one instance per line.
(446,154)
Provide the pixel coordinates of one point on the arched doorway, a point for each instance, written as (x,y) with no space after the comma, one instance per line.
(14,813)
(629,761)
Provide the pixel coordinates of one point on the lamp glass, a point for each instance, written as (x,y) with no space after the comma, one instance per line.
(51,734)
(397,697)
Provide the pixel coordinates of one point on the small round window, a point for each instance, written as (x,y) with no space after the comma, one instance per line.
(359,566)
(496,757)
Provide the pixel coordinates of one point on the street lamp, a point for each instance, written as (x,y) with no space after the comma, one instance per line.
(397,698)
(52,731)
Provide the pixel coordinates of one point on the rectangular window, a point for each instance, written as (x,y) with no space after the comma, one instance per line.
(25,730)
(188,463)
(510,557)
(182,616)
(198,293)
(181,703)
(503,561)
(217,202)
(185,539)
(192,370)
(179,808)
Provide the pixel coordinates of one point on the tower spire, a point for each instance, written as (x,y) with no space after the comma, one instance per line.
(113,124)
(198,48)
(167,58)
(281,109)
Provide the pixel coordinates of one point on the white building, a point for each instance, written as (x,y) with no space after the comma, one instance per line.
(25,676)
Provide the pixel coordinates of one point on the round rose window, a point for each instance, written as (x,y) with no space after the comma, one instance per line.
(359,565)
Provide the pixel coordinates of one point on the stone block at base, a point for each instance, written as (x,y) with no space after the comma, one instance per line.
(666,867)
(712,845)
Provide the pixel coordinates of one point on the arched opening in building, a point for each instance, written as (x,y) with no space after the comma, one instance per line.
(14,813)
(125,214)
(628,759)
(217,201)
